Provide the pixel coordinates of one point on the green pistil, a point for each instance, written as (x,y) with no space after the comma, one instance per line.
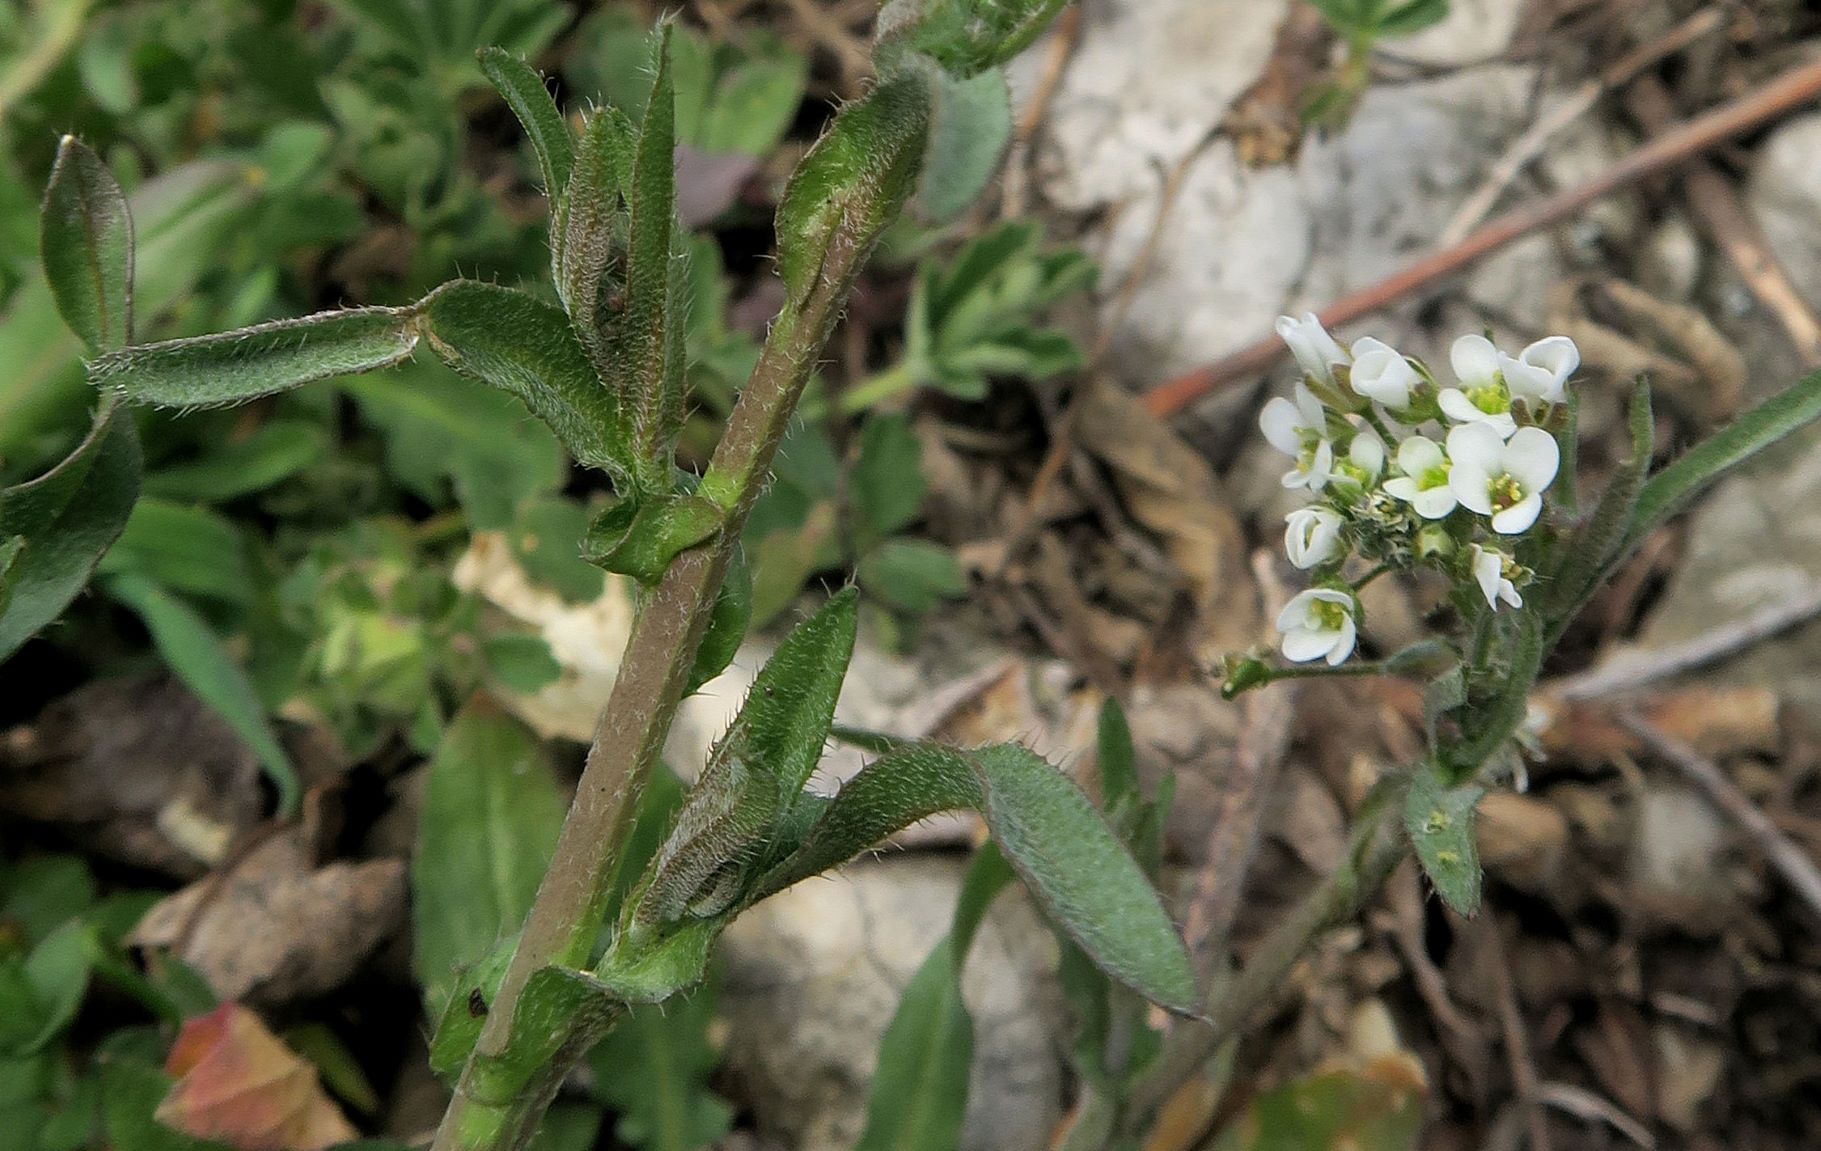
(1491,398)
(1329,615)
(1435,477)
(1505,492)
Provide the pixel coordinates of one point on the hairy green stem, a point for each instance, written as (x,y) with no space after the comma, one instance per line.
(571,902)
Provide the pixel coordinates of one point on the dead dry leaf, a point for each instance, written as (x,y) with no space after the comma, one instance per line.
(237,1084)
(274,927)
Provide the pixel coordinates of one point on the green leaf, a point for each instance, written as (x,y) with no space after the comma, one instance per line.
(232,367)
(131,1089)
(964,36)
(970,129)
(853,181)
(41,993)
(193,651)
(523,346)
(649,337)
(275,452)
(727,624)
(785,721)
(887,483)
(524,92)
(67,519)
(639,535)
(589,234)
(86,243)
(1593,547)
(546,540)
(10,547)
(1118,759)
(653,1068)
(522,663)
(1378,1109)
(1083,876)
(1412,16)
(754,103)
(1440,821)
(188,550)
(1670,490)
(490,818)
(44,892)
(912,575)
(918,1097)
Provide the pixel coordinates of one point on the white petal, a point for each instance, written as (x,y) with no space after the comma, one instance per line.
(1526,381)
(1315,350)
(1329,595)
(1472,486)
(1476,445)
(1403,488)
(1435,503)
(1296,612)
(1322,466)
(1487,567)
(1457,407)
(1517,518)
(1532,457)
(1302,644)
(1367,452)
(1558,356)
(1474,359)
(1419,454)
(1280,422)
(1314,416)
(1343,643)
(1509,593)
(1381,374)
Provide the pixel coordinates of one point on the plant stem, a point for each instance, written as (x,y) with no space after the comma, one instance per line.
(1377,848)
(571,902)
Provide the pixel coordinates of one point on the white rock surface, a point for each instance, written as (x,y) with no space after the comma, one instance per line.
(1785,194)
(810,978)
(1475,31)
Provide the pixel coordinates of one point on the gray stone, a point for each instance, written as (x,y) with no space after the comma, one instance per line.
(811,977)
(1785,195)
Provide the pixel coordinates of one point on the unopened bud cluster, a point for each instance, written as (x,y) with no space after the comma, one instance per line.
(1406,472)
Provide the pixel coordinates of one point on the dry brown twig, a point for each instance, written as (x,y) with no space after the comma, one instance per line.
(1791,90)
(1719,211)
(1524,1078)
(1791,862)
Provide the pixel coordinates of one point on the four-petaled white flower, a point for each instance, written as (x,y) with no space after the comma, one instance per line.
(1424,484)
(1312,346)
(1318,623)
(1492,570)
(1540,372)
(1312,536)
(1504,479)
(1299,429)
(1483,396)
(1381,373)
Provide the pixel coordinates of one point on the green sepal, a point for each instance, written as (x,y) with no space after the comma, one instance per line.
(854,180)
(521,345)
(523,90)
(1439,818)
(639,535)
(85,242)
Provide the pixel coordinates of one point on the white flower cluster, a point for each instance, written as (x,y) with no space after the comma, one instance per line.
(1406,472)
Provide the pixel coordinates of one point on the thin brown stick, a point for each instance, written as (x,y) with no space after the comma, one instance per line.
(1233,825)
(1782,95)
(1517,1043)
(1728,222)
(1637,668)
(1794,864)
(1579,102)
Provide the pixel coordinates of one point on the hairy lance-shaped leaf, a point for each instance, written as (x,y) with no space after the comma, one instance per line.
(491,813)
(232,367)
(1440,821)
(755,772)
(918,1097)
(523,90)
(1117,757)
(854,180)
(523,346)
(964,36)
(639,535)
(86,244)
(589,233)
(1083,876)
(1670,490)
(727,623)
(62,523)
(191,648)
